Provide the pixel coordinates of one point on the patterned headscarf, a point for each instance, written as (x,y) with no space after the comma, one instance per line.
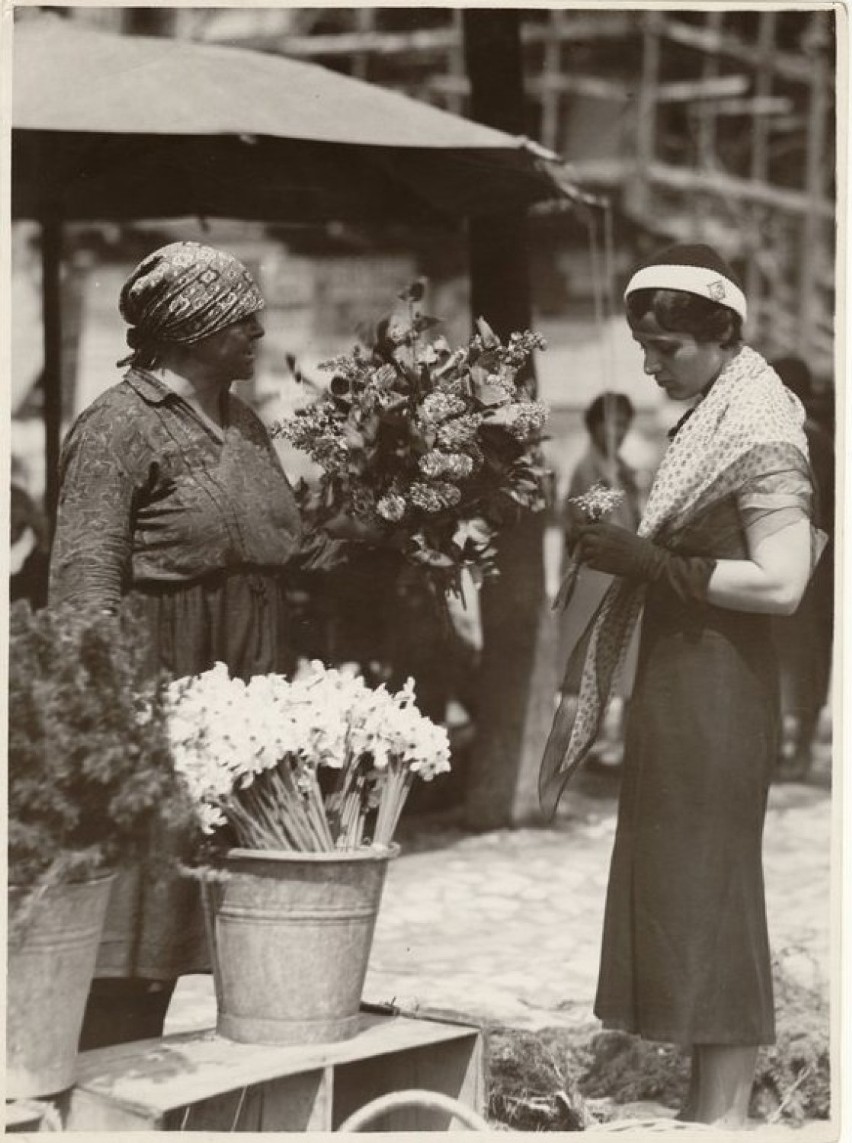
(184,292)
(745,437)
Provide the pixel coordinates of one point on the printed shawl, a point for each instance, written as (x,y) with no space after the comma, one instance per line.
(745,437)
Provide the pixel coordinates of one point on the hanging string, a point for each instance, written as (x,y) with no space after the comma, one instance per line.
(604,308)
(609,334)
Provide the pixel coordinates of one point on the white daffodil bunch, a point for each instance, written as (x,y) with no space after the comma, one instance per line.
(301,763)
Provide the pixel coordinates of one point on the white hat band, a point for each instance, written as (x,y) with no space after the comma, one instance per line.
(698,280)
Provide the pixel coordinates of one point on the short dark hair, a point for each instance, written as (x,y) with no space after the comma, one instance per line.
(596,413)
(680,312)
(795,374)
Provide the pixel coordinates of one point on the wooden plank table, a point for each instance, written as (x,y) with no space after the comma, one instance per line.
(25,1115)
(201,1081)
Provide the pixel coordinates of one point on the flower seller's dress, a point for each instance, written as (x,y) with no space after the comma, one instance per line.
(201,524)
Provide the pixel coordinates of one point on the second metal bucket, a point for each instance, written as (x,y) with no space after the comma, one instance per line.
(51,962)
(291,936)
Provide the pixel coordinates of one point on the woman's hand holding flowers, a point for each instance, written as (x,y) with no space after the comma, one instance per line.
(578,513)
(617,551)
(574,519)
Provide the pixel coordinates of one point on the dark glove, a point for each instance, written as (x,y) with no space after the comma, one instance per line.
(574,519)
(617,551)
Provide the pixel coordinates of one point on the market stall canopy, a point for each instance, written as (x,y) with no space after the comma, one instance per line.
(108,126)
(112,127)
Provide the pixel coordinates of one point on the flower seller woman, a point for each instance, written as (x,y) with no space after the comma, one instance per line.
(726,542)
(170,489)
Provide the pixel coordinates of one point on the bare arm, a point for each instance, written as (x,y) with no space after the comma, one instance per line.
(773,578)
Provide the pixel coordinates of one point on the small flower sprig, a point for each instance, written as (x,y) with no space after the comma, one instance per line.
(594,504)
(598,501)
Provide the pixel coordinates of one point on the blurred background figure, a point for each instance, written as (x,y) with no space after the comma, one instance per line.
(607,419)
(28,559)
(804,640)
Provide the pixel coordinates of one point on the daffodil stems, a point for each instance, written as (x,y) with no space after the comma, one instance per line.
(273,801)
(300,813)
(394,793)
(269,807)
(350,816)
(251,833)
(264,811)
(399,805)
(316,803)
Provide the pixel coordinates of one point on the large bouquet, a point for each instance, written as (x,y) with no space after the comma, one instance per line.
(437,445)
(319,762)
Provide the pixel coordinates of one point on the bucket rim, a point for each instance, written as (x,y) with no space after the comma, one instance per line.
(103,875)
(323,857)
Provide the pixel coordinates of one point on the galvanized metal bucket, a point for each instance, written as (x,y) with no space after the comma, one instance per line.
(290,936)
(52,948)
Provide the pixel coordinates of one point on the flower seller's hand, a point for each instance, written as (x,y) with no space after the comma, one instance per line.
(346,527)
(617,551)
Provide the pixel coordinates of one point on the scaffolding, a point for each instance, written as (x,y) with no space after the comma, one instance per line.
(713,125)
(699,125)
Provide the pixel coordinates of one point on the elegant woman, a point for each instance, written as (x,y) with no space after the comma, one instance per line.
(725,543)
(170,489)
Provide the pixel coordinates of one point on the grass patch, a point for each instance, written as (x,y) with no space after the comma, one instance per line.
(566,1079)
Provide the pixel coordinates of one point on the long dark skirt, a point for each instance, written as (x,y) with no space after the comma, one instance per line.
(685,954)
(155,928)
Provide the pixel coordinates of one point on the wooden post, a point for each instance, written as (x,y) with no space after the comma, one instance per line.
(646,114)
(707,121)
(152,21)
(551,98)
(455,63)
(759,159)
(511,604)
(810,250)
(51,291)
(365,22)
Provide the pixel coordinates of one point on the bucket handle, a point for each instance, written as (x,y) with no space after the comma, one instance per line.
(415,1097)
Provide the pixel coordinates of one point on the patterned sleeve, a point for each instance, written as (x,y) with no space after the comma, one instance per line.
(90,560)
(781,495)
(317,551)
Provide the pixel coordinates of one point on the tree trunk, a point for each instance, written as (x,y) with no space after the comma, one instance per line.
(149,21)
(507,747)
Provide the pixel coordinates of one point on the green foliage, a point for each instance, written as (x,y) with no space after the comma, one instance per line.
(532,1079)
(561,1079)
(90,774)
(793,1077)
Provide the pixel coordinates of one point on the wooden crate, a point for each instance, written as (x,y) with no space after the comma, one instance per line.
(25,1115)
(200,1081)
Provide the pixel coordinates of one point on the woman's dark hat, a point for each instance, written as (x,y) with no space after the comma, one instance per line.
(694,269)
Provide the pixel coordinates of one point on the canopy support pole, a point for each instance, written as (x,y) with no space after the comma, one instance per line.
(514,696)
(51,267)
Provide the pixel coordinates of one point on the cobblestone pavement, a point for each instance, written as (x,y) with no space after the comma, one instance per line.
(506,925)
